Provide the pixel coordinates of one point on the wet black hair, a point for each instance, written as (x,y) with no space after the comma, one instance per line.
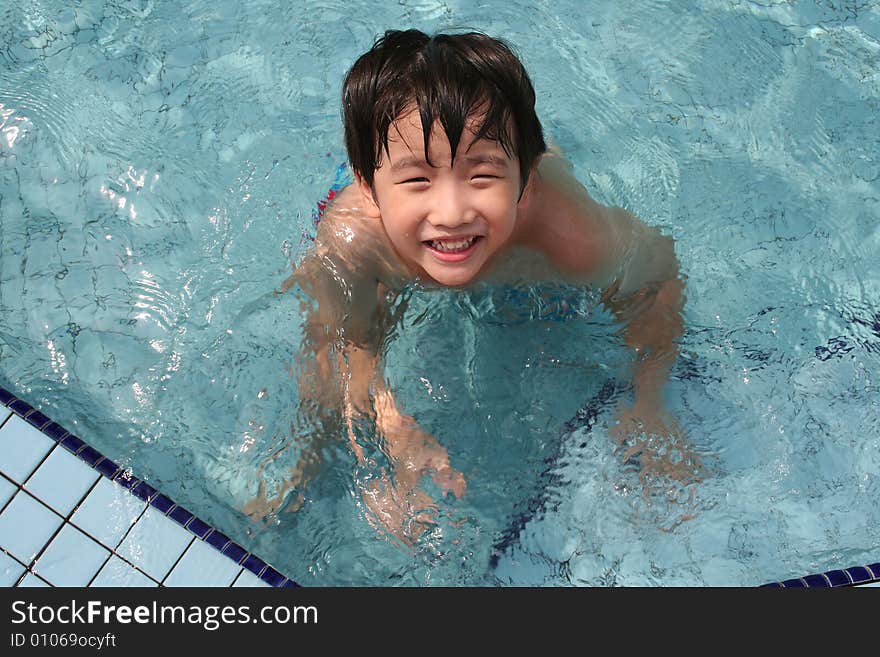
(448,77)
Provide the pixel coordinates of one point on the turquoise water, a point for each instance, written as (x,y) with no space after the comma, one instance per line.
(158,170)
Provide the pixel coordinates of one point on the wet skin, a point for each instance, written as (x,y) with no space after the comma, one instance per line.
(373,241)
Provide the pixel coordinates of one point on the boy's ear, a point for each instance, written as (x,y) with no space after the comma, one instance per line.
(368,199)
(527,192)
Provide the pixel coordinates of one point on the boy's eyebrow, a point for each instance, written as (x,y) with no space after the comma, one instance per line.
(479,158)
(485,158)
(406,162)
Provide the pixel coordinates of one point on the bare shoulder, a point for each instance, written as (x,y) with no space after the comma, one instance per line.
(351,255)
(352,240)
(591,243)
(564,223)
(343,271)
(345,234)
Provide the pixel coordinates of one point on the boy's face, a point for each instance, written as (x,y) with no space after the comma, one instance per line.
(445,221)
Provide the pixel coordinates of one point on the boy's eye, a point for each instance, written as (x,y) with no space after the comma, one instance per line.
(415,180)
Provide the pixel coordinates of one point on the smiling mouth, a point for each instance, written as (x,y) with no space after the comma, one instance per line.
(453,246)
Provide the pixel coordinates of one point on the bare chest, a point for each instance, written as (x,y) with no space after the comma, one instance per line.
(523,264)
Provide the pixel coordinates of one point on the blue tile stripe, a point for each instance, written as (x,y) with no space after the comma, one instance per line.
(6,397)
(846,577)
(144,491)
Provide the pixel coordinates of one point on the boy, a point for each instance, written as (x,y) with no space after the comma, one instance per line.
(454,185)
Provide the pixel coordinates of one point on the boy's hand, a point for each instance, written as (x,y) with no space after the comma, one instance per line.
(414,452)
(662,449)
(402,508)
(449,479)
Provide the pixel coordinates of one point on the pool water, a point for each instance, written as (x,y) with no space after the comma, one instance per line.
(159,166)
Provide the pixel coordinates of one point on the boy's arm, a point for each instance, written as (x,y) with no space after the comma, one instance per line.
(339,368)
(336,361)
(647,294)
(636,266)
(339,365)
(325,359)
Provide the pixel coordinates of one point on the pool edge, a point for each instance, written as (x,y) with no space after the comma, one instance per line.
(145,492)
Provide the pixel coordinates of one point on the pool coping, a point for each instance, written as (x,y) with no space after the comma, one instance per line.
(145,492)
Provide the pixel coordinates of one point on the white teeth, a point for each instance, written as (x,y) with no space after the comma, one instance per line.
(458,245)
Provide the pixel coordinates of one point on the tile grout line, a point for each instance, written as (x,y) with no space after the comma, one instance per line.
(112,551)
(42,461)
(193,539)
(30,567)
(26,572)
(11,497)
(154,498)
(118,543)
(241,569)
(65,520)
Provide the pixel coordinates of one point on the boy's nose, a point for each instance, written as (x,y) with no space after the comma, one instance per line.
(450,209)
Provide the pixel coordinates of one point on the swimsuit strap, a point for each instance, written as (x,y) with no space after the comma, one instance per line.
(342,179)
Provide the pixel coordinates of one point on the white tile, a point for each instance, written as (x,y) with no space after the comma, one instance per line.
(247,578)
(21,448)
(10,570)
(118,573)
(62,480)
(33,582)
(71,559)
(108,512)
(155,543)
(7,490)
(25,526)
(202,565)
